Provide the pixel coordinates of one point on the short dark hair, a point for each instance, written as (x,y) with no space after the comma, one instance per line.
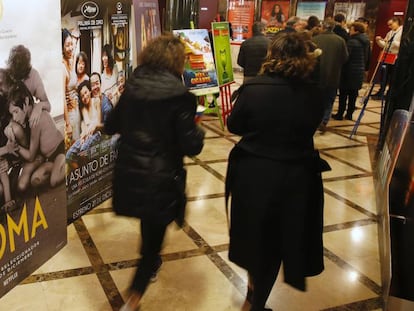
(258,27)
(363,20)
(396,19)
(339,18)
(358,26)
(18,94)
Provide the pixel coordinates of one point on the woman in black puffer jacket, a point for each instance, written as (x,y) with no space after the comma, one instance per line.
(353,70)
(155,120)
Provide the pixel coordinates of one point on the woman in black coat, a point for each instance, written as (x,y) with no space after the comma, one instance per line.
(353,71)
(155,120)
(274,172)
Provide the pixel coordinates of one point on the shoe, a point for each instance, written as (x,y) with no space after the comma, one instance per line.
(348,117)
(322,128)
(337,117)
(377,96)
(154,275)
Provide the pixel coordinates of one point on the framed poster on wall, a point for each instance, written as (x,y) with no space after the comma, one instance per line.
(306,9)
(351,10)
(274,15)
(241,17)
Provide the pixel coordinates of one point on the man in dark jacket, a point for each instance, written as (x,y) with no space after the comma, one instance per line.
(339,28)
(353,70)
(253,51)
(334,55)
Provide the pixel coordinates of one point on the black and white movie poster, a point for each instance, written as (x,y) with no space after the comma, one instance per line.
(95,63)
(32,158)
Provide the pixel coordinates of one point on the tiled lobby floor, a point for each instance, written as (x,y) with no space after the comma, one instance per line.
(94,270)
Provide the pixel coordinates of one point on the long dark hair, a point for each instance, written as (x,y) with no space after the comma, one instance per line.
(277,14)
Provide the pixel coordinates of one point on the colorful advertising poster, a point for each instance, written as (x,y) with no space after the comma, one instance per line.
(199,72)
(306,9)
(95,64)
(32,159)
(147,22)
(274,15)
(222,52)
(241,17)
(351,10)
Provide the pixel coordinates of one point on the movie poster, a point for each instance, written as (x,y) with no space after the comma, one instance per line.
(147,22)
(241,17)
(274,15)
(32,159)
(222,52)
(199,71)
(351,10)
(306,9)
(95,64)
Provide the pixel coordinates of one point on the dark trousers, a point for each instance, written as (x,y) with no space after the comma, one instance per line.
(347,94)
(329,95)
(386,71)
(263,280)
(152,238)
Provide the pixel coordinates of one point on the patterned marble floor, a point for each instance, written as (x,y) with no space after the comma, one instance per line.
(93,271)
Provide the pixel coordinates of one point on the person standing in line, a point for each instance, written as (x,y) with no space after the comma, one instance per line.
(391,44)
(274,172)
(353,70)
(253,51)
(334,55)
(155,118)
(340,26)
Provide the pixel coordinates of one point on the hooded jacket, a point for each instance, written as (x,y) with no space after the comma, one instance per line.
(155,120)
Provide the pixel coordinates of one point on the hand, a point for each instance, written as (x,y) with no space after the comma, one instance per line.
(35,116)
(12,148)
(8,131)
(377,38)
(69,129)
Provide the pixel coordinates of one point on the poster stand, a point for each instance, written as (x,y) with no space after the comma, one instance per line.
(211,108)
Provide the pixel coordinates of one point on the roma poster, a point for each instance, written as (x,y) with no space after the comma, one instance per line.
(147,22)
(32,160)
(241,16)
(199,72)
(222,52)
(96,61)
(306,9)
(274,15)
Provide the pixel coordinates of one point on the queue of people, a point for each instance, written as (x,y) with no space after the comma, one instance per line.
(274,171)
